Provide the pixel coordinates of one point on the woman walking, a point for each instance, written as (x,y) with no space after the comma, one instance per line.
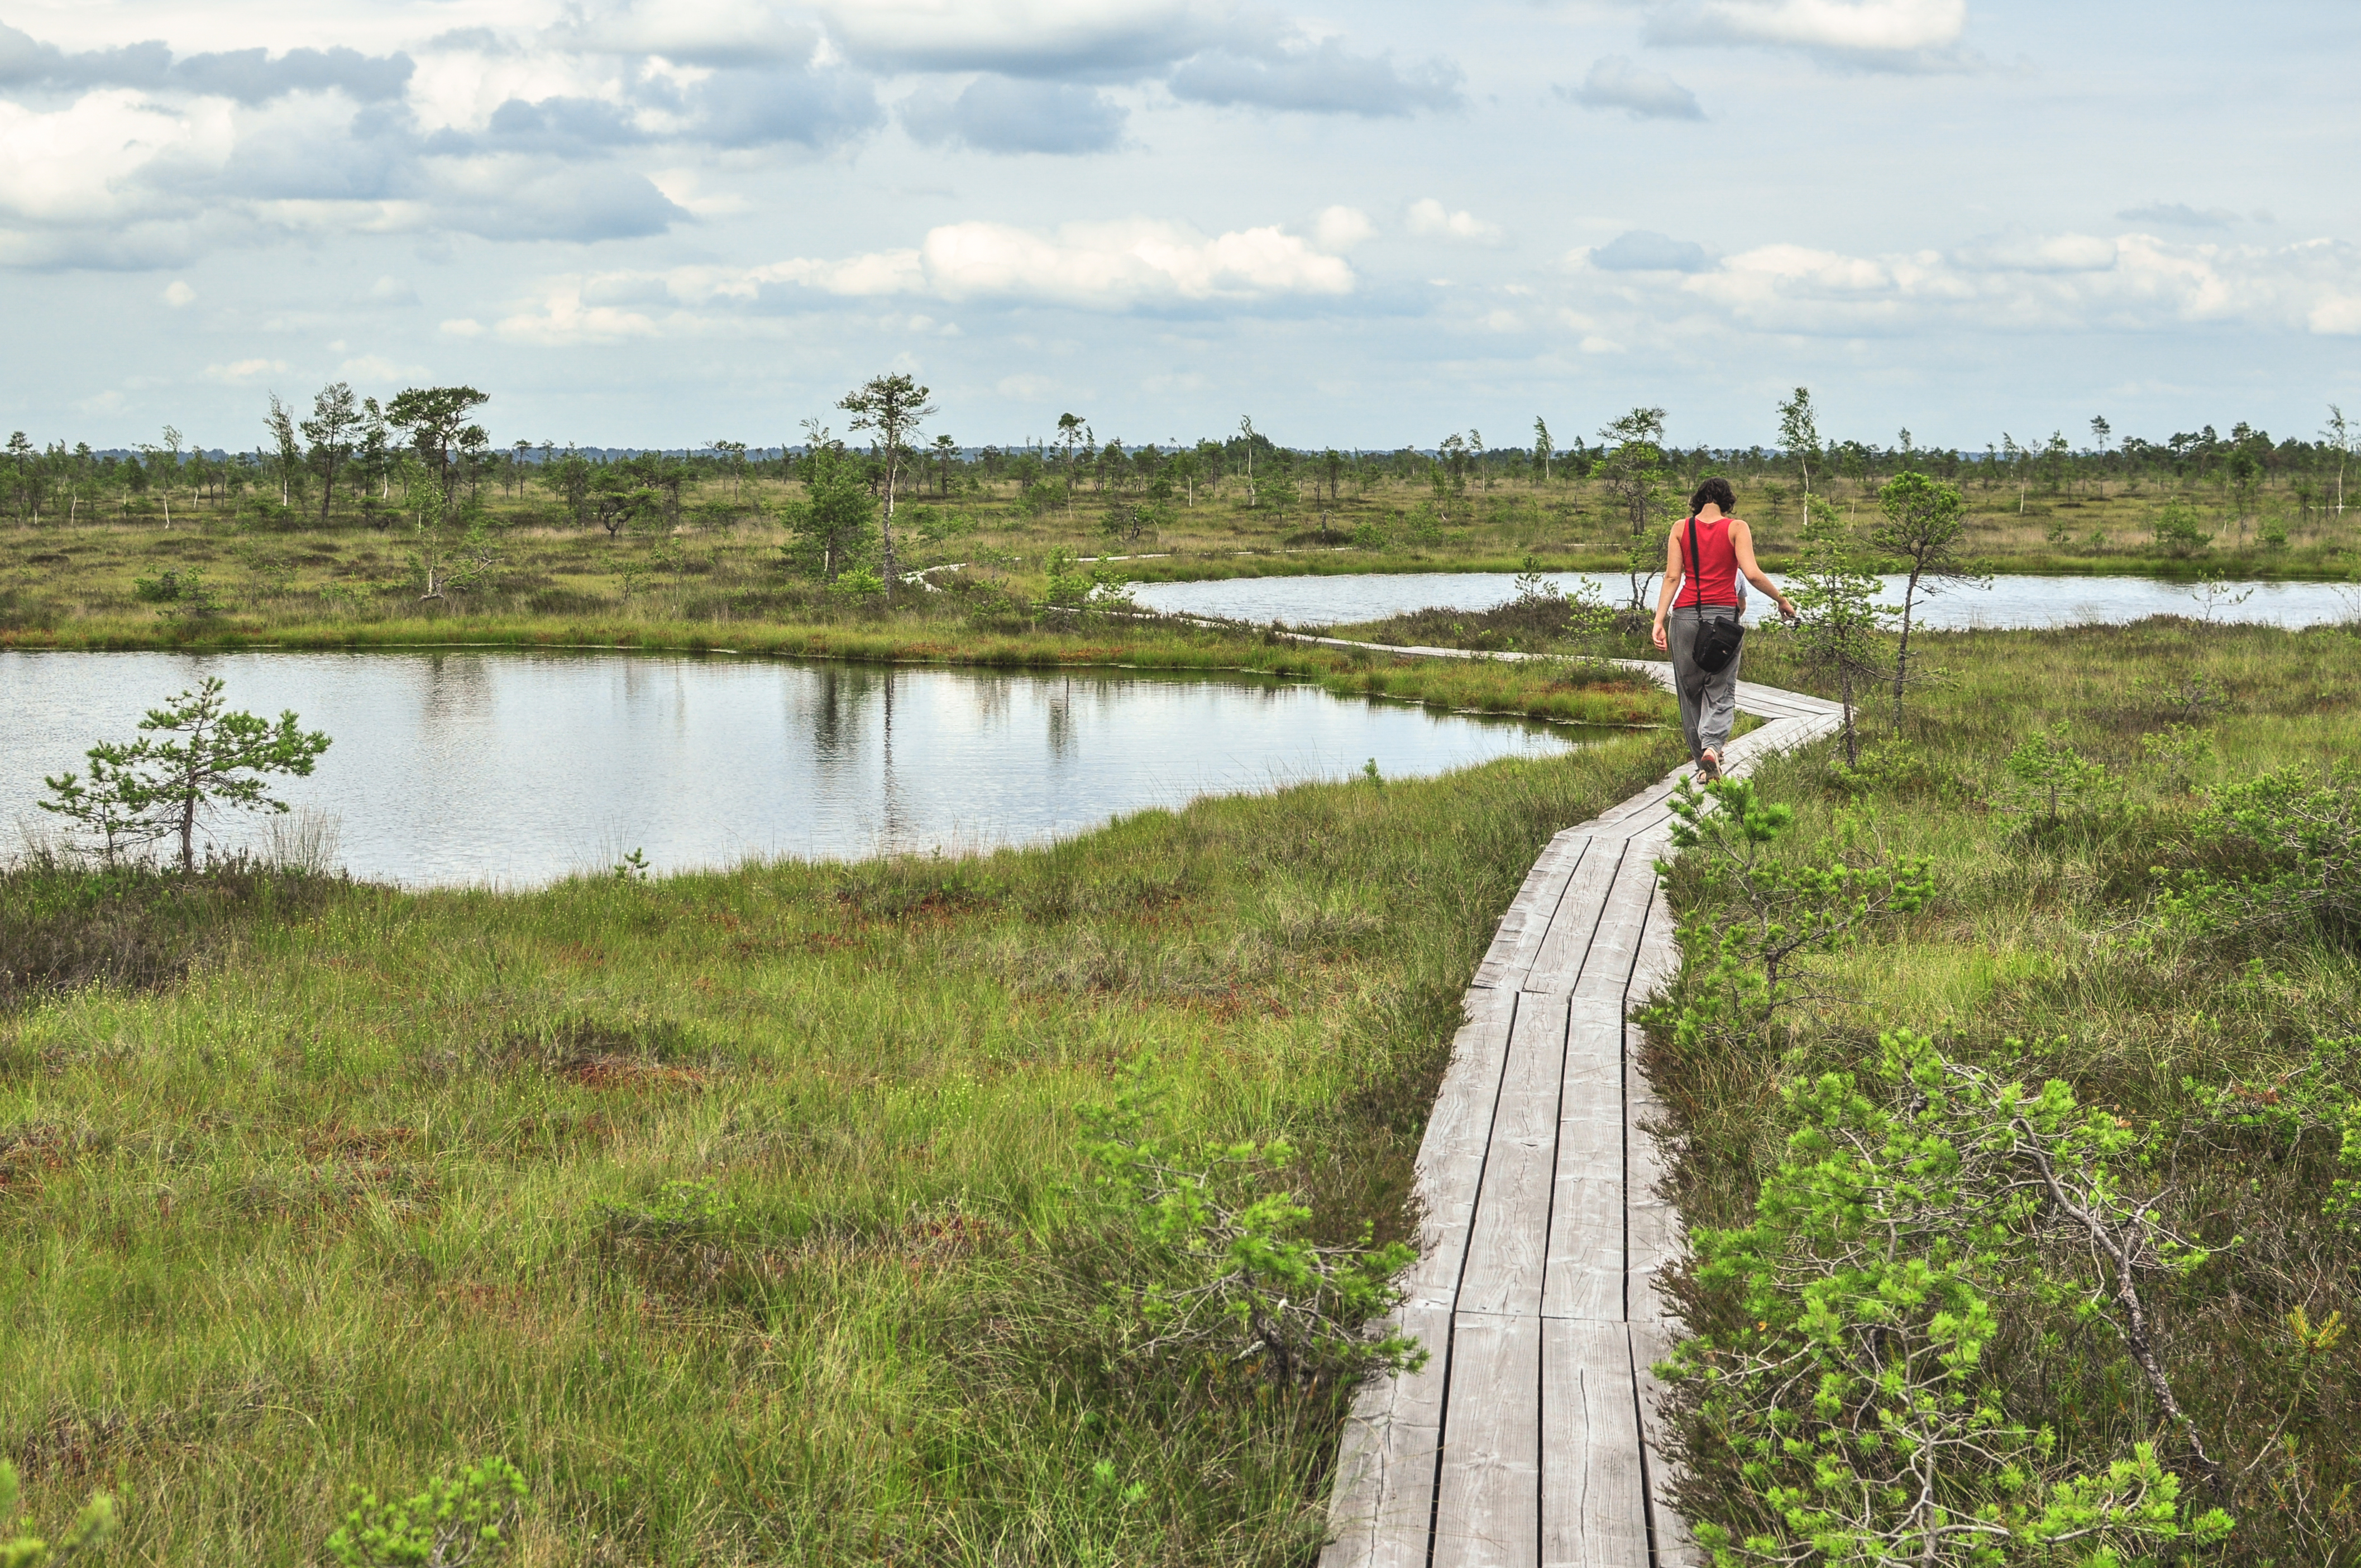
(1696,593)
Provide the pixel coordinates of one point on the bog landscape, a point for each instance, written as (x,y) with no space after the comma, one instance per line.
(379,1183)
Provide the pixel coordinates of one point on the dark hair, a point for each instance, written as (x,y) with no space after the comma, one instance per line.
(1717,490)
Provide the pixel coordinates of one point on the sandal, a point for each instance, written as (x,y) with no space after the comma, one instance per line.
(1708,766)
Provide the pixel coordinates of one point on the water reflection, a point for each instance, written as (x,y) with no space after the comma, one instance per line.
(465,765)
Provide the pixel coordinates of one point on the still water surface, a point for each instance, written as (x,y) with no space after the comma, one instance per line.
(2008,602)
(470,766)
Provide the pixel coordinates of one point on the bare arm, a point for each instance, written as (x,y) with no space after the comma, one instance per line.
(1741,540)
(1672,585)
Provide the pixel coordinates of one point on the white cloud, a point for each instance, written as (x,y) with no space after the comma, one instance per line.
(1888,34)
(562,319)
(1615,82)
(177,294)
(1133,263)
(682,187)
(1137,262)
(1428,216)
(368,368)
(2337,315)
(2033,283)
(1341,228)
(390,291)
(461,326)
(238,372)
(459,89)
(79,164)
(876,273)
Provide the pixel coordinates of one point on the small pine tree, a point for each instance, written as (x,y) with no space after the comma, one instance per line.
(160,789)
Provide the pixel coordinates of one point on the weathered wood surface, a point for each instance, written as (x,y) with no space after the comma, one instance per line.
(1530,1439)
(1594,1496)
(1505,1249)
(1487,1503)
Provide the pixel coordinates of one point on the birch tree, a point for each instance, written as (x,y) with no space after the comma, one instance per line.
(280,423)
(893,407)
(1799,434)
(2339,435)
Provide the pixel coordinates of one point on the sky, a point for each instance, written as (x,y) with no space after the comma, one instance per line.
(666,223)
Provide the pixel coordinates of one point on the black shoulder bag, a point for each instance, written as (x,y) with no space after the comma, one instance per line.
(1717,636)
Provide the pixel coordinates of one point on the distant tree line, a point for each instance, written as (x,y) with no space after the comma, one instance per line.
(352,456)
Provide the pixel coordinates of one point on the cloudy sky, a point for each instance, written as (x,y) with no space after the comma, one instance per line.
(672,220)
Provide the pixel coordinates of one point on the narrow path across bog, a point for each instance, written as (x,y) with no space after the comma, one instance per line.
(1528,1440)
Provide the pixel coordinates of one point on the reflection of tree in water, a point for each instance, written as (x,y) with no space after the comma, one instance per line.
(455,688)
(892,810)
(851,716)
(647,681)
(990,694)
(1064,736)
(836,699)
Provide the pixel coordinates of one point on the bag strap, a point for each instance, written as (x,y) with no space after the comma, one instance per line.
(1695,583)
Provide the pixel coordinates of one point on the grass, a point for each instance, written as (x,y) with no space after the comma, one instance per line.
(309,1183)
(341,1184)
(2023,963)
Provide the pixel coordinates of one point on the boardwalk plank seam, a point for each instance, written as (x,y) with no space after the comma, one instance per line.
(1531,1439)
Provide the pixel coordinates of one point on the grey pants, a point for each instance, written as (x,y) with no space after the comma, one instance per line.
(1708,702)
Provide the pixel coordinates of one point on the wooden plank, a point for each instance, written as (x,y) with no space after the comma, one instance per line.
(1584,1273)
(1487,1503)
(1451,1156)
(1659,958)
(1522,929)
(1652,1225)
(1757,699)
(1594,1493)
(1676,1547)
(1657,670)
(1508,1244)
(1383,1502)
(1606,971)
(1356,1495)
(1560,956)
(1654,795)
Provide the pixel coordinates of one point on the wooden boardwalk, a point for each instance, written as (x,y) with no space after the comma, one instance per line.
(1527,1440)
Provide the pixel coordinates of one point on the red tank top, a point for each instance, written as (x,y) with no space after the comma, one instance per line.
(1712,579)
